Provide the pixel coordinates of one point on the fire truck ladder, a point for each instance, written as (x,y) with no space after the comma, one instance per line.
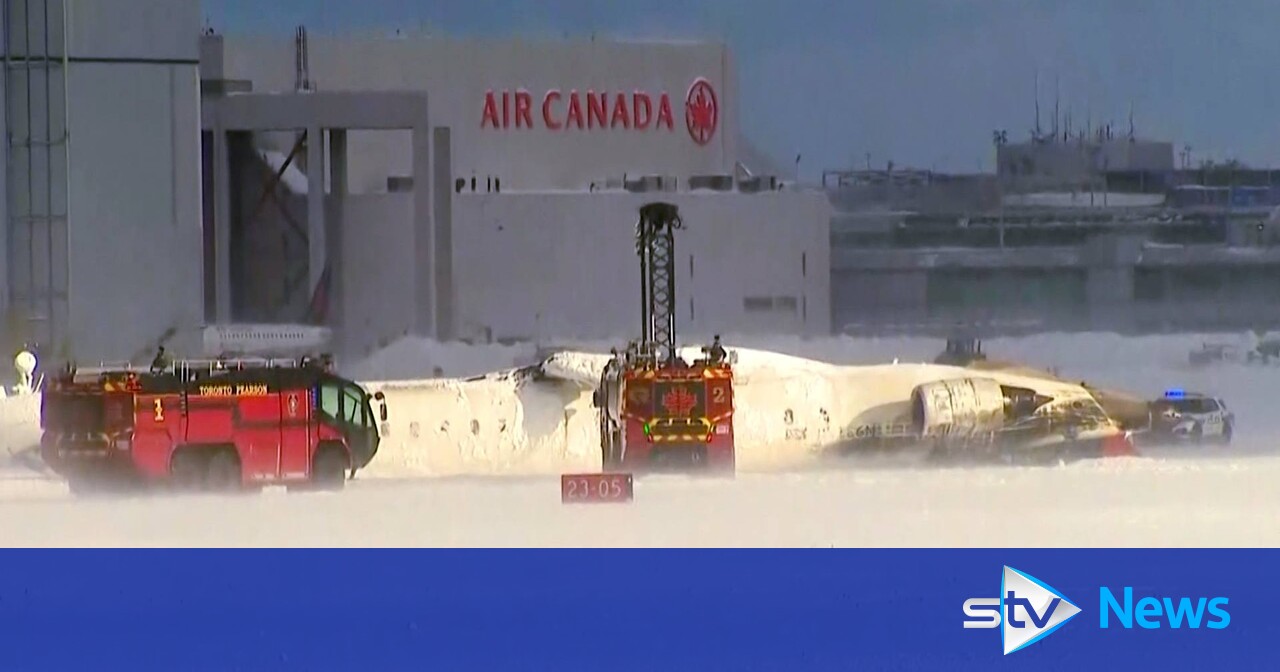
(655,243)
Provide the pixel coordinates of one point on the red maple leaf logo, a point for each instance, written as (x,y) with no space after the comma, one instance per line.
(701,111)
(679,401)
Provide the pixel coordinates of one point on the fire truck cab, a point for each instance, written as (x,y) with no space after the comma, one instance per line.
(214,425)
(668,416)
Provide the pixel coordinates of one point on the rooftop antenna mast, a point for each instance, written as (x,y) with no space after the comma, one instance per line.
(302,68)
(1057,93)
(1037,93)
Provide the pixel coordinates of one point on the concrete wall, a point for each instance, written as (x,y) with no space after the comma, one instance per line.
(128,260)
(868,296)
(461,73)
(547,265)
(379,266)
(564,265)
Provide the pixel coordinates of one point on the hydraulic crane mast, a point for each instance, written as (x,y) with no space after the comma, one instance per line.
(656,411)
(655,243)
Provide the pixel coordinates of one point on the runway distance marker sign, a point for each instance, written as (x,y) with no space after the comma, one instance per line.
(596,488)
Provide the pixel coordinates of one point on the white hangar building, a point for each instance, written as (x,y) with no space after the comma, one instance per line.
(387,185)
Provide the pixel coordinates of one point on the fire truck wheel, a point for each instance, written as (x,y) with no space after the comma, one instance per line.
(223,473)
(329,468)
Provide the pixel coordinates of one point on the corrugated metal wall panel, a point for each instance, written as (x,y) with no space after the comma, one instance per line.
(107,222)
(134,203)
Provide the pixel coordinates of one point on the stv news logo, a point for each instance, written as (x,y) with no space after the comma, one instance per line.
(1027,611)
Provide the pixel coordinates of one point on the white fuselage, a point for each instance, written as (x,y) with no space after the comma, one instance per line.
(788,411)
(264,339)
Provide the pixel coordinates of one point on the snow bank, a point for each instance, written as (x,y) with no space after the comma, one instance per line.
(19,433)
(412,357)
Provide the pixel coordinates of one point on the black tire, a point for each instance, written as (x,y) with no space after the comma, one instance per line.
(1228,429)
(223,472)
(188,469)
(329,468)
(612,449)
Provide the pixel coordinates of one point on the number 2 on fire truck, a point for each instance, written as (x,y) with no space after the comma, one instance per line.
(717,394)
(159,411)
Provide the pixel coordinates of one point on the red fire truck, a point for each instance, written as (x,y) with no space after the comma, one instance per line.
(215,425)
(673,418)
(657,411)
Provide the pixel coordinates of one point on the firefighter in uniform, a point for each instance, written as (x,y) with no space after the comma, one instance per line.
(161,361)
(610,382)
(717,352)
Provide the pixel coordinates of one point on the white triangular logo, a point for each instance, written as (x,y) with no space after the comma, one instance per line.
(1025,623)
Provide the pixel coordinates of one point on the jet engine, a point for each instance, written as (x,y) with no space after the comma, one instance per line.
(965,407)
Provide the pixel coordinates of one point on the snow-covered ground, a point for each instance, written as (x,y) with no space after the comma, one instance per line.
(1190,497)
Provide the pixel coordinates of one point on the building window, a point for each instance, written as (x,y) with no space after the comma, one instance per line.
(771,304)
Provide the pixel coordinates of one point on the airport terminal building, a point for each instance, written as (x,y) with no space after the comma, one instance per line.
(1102,233)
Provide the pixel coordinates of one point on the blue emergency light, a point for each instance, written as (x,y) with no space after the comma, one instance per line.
(1174,394)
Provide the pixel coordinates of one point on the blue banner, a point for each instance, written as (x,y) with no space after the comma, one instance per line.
(637,609)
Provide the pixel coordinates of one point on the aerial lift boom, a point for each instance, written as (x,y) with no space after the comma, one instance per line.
(655,243)
(657,411)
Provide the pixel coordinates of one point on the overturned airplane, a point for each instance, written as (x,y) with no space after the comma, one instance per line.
(790,412)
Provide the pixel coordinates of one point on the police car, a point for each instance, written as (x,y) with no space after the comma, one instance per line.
(1183,416)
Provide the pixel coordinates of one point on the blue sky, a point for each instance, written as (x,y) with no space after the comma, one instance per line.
(921,82)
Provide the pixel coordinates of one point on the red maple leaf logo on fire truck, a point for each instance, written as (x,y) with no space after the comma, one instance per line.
(701,111)
(679,401)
